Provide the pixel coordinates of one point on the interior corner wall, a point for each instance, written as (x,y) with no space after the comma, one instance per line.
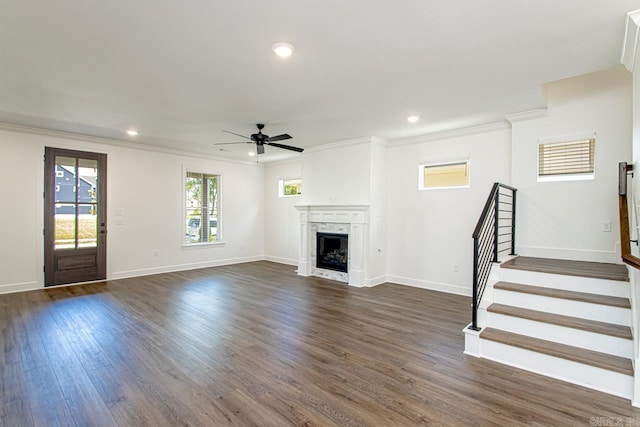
(429,231)
(282,225)
(565,219)
(377,259)
(146,188)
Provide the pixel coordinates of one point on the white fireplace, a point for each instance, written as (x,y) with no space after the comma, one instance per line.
(349,220)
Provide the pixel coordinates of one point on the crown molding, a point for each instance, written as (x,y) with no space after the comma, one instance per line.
(339,144)
(452,133)
(526,115)
(630,41)
(282,162)
(118,143)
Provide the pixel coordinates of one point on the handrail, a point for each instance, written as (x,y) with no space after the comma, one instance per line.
(625,235)
(486,239)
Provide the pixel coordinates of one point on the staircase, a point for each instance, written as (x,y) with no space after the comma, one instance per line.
(568,320)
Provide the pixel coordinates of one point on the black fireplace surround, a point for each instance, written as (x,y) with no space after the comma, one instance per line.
(332,251)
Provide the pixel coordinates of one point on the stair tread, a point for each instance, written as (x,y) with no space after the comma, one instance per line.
(588,357)
(561,320)
(564,294)
(597,270)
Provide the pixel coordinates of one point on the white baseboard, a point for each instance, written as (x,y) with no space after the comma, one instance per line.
(180,267)
(279,260)
(570,254)
(20,287)
(434,286)
(375,281)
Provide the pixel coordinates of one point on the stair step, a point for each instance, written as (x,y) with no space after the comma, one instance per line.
(563,294)
(566,321)
(588,357)
(598,270)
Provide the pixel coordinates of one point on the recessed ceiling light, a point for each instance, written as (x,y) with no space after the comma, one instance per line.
(413,119)
(132,132)
(283,50)
(251,153)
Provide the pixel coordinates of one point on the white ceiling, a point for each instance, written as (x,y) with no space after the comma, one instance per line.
(181,72)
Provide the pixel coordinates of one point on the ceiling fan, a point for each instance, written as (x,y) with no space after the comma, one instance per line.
(261,140)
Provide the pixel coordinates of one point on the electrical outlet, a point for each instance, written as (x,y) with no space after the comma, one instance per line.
(456,268)
(156,253)
(606,226)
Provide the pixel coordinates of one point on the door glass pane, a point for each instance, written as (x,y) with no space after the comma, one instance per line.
(87,226)
(88,173)
(65,170)
(65,226)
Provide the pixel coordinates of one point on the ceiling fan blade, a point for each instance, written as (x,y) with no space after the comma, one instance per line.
(227,143)
(236,134)
(280,137)
(286,147)
(260,148)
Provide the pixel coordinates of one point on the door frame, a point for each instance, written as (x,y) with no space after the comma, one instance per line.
(49,217)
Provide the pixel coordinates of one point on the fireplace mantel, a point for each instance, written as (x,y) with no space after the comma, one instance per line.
(352,220)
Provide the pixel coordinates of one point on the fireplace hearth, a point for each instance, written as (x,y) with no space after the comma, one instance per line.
(332,251)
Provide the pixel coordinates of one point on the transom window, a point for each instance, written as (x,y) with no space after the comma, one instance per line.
(567,161)
(289,187)
(444,175)
(202,208)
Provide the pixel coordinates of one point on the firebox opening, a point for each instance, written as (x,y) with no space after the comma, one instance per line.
(332,251)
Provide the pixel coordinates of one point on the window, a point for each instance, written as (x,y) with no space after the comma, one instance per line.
(202,208)
(289,187)
(566,161)
(444,175)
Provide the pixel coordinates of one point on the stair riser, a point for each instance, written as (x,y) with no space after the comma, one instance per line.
(563,335)
(568,283)
(601,313)
(566,370)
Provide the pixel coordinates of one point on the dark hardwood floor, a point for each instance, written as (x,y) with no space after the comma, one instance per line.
(254,344)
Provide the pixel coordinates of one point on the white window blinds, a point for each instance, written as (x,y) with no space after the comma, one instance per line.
(566,158)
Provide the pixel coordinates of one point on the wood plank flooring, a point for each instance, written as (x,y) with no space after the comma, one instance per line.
(580,355)
(610,329)
(255,344)
(599,270)
(563,294)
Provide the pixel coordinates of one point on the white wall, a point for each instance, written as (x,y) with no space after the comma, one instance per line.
(282,224)
(337,174)
(429,231)
(377,257)
(565,219)
(415,237)
(147,187)
(634,192)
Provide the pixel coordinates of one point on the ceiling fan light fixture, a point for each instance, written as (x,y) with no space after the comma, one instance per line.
(283,50)
(132,132)
(251,153)
(413,119)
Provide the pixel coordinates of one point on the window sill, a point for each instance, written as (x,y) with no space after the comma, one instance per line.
(202,245)
(452,187)
(566,178)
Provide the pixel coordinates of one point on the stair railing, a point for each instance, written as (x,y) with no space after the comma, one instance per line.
(625,235)
(494,234)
